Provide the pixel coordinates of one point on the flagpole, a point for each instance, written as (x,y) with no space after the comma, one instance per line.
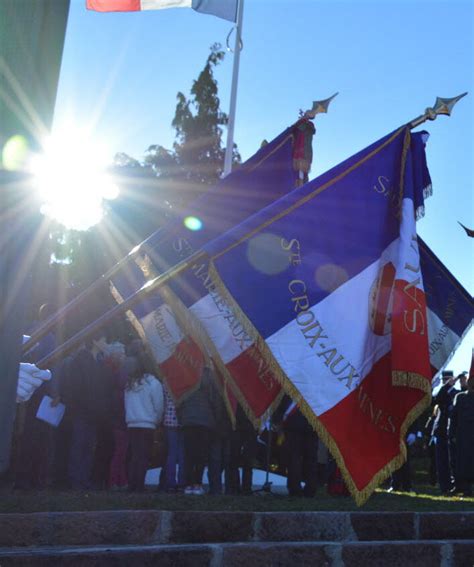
(88,331)
(441,106)
(60,316)
(233,92)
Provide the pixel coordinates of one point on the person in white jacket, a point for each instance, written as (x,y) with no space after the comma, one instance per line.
(143,413)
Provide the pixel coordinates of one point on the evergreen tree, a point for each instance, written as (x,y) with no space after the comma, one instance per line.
(197,159)
(164,182)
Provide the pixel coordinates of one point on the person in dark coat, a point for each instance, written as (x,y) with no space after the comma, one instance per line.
(401,479)
(302,444)
(458,484)
(36,451)
(243,453)
(219,448)
(444,403)
(86,404)
(430,445)
(114,431)
(198,415)
(63,432)
(461,428)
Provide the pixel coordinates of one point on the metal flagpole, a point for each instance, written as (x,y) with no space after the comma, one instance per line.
(441,106)
(60,316)
(87,332)
(233,93)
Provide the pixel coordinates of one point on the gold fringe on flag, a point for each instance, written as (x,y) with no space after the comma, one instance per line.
(360,496)
(138,327)
(411,380)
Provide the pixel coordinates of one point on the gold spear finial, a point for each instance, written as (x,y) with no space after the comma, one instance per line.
(441,106)
(319,106)
(445,105)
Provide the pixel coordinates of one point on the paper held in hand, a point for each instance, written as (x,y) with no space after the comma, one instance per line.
(52,415)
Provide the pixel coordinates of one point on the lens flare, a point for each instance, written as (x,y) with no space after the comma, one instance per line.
(265,254)
(14,153)
(330,276)
(193,223)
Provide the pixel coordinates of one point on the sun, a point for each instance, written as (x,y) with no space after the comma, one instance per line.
(71,178)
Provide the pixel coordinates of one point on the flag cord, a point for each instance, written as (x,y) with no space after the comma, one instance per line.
(227,41)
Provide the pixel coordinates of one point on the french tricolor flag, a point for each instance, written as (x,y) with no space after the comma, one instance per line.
(226,9)
(324,290)
(450,310)
(236,352)
(178,341)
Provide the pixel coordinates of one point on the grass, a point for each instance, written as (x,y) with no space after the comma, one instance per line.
(426,499)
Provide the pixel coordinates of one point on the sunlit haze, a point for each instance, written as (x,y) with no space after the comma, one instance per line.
(71,178)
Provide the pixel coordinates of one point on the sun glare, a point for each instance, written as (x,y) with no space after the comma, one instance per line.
(71,179)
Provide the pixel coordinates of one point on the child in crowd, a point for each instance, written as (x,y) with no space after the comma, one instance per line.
(174,439)
(143,413)
(118,367)
(197,415)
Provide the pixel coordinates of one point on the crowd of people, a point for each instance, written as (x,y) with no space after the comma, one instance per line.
(445,436)
(114,404)
(117,409)
(452,434)
(120,419)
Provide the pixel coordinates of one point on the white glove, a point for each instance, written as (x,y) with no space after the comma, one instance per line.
(30,378)
(411,438)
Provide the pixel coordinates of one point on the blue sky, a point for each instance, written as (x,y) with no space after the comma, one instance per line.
(388,60)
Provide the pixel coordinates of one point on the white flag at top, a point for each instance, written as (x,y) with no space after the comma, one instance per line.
(226,9)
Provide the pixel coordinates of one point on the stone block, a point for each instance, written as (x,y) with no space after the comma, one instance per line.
(463,553)
(304,526)
(182,556)
(72,528)
(210,527)
(447,525)
(276,555)
(414,554)
(98,528)
(19,530)
(378,526)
